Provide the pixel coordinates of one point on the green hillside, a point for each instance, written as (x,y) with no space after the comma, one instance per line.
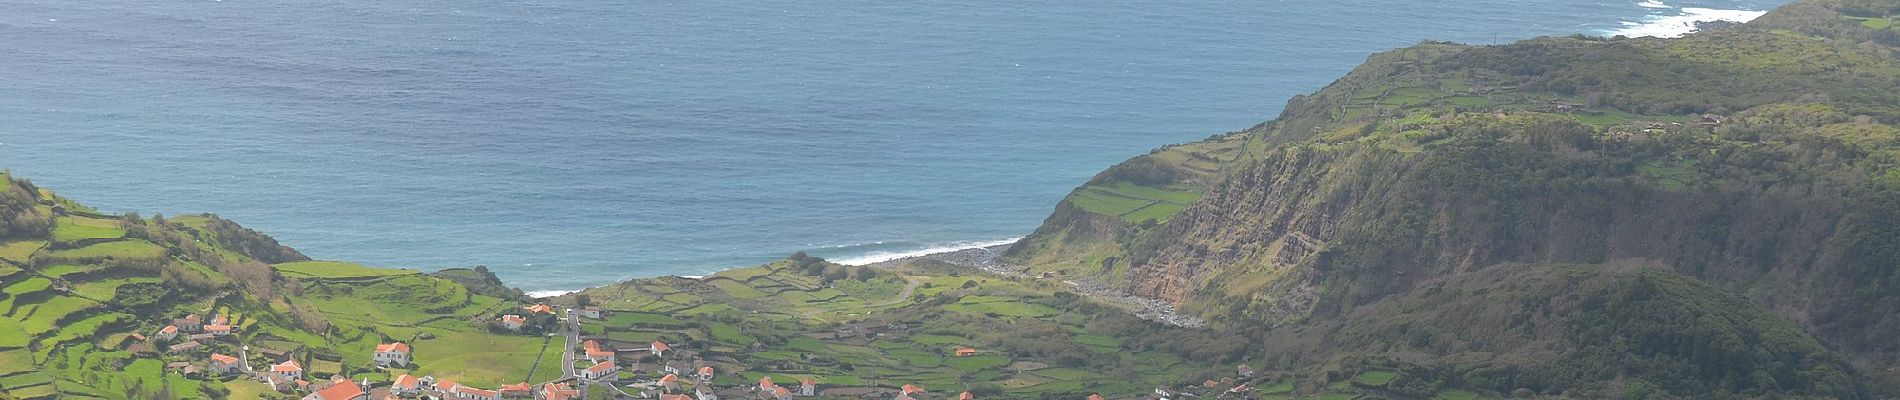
(1752,165)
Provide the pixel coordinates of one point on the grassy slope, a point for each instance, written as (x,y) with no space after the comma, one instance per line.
(1441,159)
(794,313)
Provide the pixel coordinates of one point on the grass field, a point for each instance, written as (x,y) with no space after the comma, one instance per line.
(71,229)
(1134,203)
(335,269)
(29,286)
(57,271)
(19,251)
(1375,378)
(134,249)
(105,290)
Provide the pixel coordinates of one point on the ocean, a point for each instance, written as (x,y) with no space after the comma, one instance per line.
(573,143)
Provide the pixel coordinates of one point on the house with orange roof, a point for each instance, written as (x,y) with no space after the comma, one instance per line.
(517,391)
(781,393)
(596,353)
(218,329)
(765,383)
(1096,396)
(668,396)
(558,391)
(392,354)
(342,389)
(167,333)
(405,384)
(513,322)
(706,373)
(288,369)
(220,320)
(190,323)
(808,387)
(966,396)
(223,364)
(913,389)
(465,392)
(965,352)
(542,308)
(445,388)
(659,348)
(600,371)
(671,382)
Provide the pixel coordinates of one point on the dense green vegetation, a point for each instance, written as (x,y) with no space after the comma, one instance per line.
(1758,160)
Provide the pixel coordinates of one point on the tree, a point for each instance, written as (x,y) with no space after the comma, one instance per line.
(583,300)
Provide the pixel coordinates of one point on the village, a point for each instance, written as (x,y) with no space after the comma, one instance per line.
(201,348)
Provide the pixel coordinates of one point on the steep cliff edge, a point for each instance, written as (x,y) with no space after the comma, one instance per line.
(1756,161)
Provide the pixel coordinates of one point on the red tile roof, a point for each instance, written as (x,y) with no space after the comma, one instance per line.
(1097,396)
(808,381)
(397,347)
(765,382)
(705,370)
(908,389)
(675,397)
(169,329)
(781,391)
(223,359)
(342,390)
(287,366)
(539,309)
(669,379)
(476,392)
(523,387)
(217,328)
(561,391)
(603,367)
(661,346)
(407,381)
(966,396)
(445,385)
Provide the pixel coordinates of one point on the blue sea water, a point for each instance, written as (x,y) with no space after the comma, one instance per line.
(569,143)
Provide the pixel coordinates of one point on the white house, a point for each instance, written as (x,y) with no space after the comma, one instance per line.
(808,387)
(659,348)
(289,370)
(167,333)
(596,353)
(223,364)
(513,322)
(704,393)
(340,390)
(406,384)
(599,371)
(590,312)
(465,392)
(392,354)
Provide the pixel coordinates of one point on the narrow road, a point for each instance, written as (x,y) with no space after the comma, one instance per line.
(573,339)
(910,286)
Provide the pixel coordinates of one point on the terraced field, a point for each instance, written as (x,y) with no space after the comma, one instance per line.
(841,332)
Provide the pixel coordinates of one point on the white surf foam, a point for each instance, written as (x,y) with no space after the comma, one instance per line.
(549,293)
(1652,4)
(882,256)
(1683,23)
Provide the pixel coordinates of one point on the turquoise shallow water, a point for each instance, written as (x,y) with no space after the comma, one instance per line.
(576,142)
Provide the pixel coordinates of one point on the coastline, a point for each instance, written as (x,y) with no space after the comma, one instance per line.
(971,253)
